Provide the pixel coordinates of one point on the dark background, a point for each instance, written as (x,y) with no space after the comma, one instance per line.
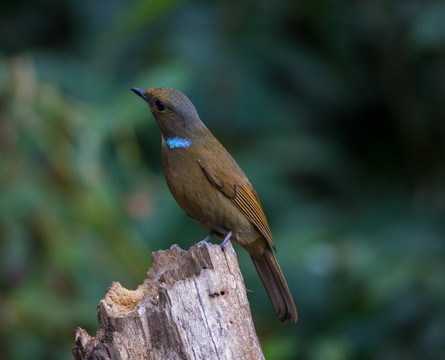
(334,109)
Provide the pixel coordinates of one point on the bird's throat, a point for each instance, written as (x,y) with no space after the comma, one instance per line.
(177,142)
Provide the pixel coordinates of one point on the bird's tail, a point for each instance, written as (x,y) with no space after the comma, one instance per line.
(275,284)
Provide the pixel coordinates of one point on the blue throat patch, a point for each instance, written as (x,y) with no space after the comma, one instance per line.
(178,142)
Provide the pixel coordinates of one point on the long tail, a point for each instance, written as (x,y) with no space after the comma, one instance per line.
(275,284)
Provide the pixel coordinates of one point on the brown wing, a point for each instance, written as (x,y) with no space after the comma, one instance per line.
(243,196)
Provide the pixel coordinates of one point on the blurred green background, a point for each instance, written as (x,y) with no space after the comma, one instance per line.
(334,109)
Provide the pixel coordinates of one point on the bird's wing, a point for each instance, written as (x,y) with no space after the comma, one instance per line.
(242,195)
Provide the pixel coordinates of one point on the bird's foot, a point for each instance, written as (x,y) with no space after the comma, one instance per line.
(226,239)
(206,239)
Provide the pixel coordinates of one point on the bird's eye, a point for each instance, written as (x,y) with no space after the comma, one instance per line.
(160,106)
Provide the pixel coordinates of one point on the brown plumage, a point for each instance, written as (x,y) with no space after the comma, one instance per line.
(213,190)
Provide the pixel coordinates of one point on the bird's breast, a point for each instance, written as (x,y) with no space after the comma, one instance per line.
(197,196)
(186,180)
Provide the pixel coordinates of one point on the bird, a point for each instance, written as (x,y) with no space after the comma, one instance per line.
(209,185)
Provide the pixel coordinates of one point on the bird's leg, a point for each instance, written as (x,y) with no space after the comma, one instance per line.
(227,238)
(209,236)
(206,239)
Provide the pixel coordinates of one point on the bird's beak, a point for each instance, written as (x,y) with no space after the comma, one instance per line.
(140,93)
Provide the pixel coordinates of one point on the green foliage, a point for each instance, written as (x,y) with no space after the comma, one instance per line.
(333,109)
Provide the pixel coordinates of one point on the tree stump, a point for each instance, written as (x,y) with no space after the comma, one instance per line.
(193,305)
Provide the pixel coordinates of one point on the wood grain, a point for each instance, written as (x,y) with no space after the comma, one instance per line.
(193,305)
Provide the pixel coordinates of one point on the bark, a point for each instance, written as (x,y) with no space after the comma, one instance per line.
(193,305)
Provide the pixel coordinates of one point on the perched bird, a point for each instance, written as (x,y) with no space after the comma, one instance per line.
(212,189)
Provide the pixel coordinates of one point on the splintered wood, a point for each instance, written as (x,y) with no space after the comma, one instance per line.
(193,305)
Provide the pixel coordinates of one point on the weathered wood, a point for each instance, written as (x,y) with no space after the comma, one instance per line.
(193,305)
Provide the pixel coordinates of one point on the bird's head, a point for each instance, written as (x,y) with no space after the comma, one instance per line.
(173,111)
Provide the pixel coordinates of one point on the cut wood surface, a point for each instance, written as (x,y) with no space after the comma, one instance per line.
(193,305)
